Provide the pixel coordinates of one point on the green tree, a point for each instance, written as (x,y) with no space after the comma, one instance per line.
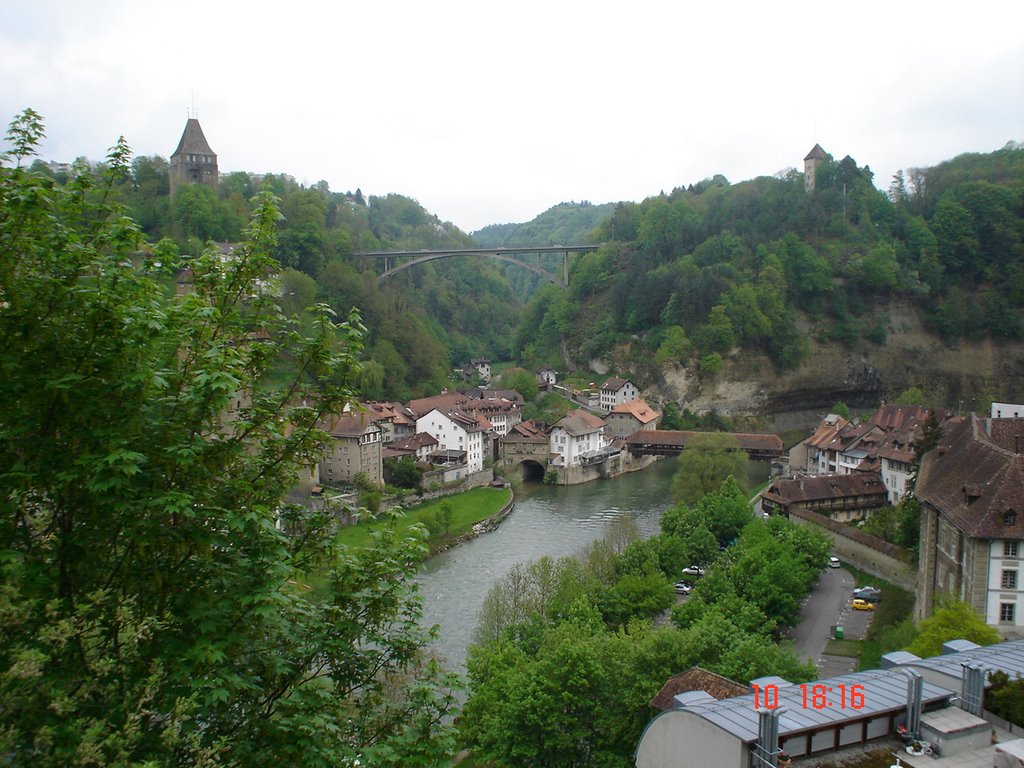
(708,459)
(953,621)
(404,473)
(911,396)
(522,381)
(153,612)
(1005,697)
(718,335)
(675,347)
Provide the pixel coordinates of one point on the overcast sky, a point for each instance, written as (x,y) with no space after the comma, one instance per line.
(491,112)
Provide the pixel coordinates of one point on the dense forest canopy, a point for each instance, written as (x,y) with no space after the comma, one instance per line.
(705,269)
(684,277)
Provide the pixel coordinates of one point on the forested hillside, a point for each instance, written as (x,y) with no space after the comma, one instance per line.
(564,224)
(710,274)
(694,284)
(420,321)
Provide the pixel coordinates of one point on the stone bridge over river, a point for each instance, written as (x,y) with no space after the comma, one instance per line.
(663,442)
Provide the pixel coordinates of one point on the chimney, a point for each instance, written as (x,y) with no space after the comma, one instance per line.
(914,695)
(972,689)
(766,748)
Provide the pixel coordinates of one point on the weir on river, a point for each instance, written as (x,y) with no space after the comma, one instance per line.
(547,520)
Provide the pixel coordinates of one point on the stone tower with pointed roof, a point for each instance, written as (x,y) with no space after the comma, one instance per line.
(814,157)
(193,162)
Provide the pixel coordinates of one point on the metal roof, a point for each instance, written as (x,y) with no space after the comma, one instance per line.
(884,691)
(1008,657)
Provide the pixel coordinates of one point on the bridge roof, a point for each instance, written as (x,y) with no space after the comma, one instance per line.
(675,438)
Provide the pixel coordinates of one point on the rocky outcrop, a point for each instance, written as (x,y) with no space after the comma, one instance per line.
(964,376)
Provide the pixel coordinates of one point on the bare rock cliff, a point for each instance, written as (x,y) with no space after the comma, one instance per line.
(965,376)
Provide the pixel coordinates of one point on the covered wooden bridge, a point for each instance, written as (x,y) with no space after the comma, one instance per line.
(664,442)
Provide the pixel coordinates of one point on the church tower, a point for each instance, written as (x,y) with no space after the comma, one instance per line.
(814,157)
(193,162)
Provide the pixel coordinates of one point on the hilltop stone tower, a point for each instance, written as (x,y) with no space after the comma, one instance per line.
(193,162)
(814,157)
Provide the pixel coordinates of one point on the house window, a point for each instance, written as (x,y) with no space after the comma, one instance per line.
(1007,612)
(1009,580)
(1009,517)
(1009,549)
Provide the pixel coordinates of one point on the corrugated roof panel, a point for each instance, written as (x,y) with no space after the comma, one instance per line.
(1008,657)
(883,690)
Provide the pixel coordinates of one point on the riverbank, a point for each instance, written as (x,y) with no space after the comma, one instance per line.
(450,520)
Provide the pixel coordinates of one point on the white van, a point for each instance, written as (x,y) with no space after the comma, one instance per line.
(833,562)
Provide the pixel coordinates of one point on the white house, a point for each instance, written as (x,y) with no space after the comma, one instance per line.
(548,376)
(457,431)
(1007,411)
(575,436)
(898,463)
(482,366)
(617,391)
(503,414)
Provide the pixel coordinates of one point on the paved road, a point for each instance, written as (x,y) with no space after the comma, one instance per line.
(828,605)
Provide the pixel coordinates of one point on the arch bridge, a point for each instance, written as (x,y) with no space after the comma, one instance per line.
(396,261)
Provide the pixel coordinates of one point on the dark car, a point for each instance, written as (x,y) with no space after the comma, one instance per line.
(871,594)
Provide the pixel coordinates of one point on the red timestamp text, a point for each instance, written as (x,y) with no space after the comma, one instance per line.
(813,696)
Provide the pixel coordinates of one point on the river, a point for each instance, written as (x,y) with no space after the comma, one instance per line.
(547,520)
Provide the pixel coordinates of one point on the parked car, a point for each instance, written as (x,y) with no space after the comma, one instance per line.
(871,594)
(683,587)
(833,562)
(862,605)
(693,570)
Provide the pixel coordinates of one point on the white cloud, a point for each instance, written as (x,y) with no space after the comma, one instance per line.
(493,112)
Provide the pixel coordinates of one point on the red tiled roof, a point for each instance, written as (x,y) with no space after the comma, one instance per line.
(614,384)
(526,431)
(903,418)
(1007,433)
(580,422)
(638,409)
(975,481)
(697,679)
(348,424)
(417,441)
(826,432)
(821,487)
(445,402)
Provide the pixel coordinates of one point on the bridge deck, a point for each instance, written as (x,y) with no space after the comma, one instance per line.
(481,251)
(664,442)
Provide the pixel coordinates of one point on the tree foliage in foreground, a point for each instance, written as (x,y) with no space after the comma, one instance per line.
(565,658)
(709,458)
(151,612)
(955,620)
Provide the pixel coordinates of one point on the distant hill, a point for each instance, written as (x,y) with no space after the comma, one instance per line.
(761,297)
(564,224)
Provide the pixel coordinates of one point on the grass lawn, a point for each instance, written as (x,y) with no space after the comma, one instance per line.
(468,509)
(851,648)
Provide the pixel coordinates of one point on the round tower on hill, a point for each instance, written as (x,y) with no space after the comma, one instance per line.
(814,157)
(193,162)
